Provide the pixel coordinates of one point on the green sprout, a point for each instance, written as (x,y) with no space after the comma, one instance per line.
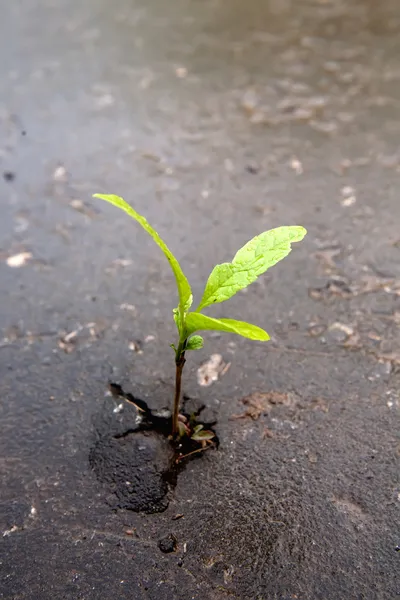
(225,280)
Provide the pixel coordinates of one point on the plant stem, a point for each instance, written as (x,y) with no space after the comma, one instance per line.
(183,456)
(180,363)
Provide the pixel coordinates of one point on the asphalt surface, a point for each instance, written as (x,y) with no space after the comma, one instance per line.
(216,120)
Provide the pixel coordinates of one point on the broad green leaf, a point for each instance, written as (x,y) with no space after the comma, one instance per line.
(198,322)
(184,290)
(195,342)
(258,255)
(203,435)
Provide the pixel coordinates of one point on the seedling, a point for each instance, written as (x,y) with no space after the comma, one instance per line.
(225,280)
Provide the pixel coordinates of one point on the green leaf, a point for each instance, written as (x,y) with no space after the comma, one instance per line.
(258,255)
(184,290)
(195,342)
(198,322)
(182,429)
(203,435)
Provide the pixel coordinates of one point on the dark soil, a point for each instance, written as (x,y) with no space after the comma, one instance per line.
(140,464)
(135,468)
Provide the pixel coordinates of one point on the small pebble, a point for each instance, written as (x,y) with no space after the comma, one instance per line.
(168,544)
(181,72)
(19,260)
(60,174)
(8,176)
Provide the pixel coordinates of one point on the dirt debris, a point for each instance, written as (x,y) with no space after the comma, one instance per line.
(327,256)
(353,341)
(373,283)
(297,166)
(19,260)
(12,529)
(168,544)
(118,263)
(83,207)
(87,333)
(346,330)
(128,307)
(210,371)
(336,286)
(181,72)
(348,196)
(390,357)
(316,329)
(260,403)
(136,346)
(60,174)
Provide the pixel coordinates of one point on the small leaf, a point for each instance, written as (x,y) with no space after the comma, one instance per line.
(203,435)
(198,322)
(195,342)
(182,429)
(198,428)
(184,290)
(258,255)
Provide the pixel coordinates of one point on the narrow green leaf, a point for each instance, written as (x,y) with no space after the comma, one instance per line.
(258,255)
(198,322)
(184,290)
(182,429)
(195,342)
